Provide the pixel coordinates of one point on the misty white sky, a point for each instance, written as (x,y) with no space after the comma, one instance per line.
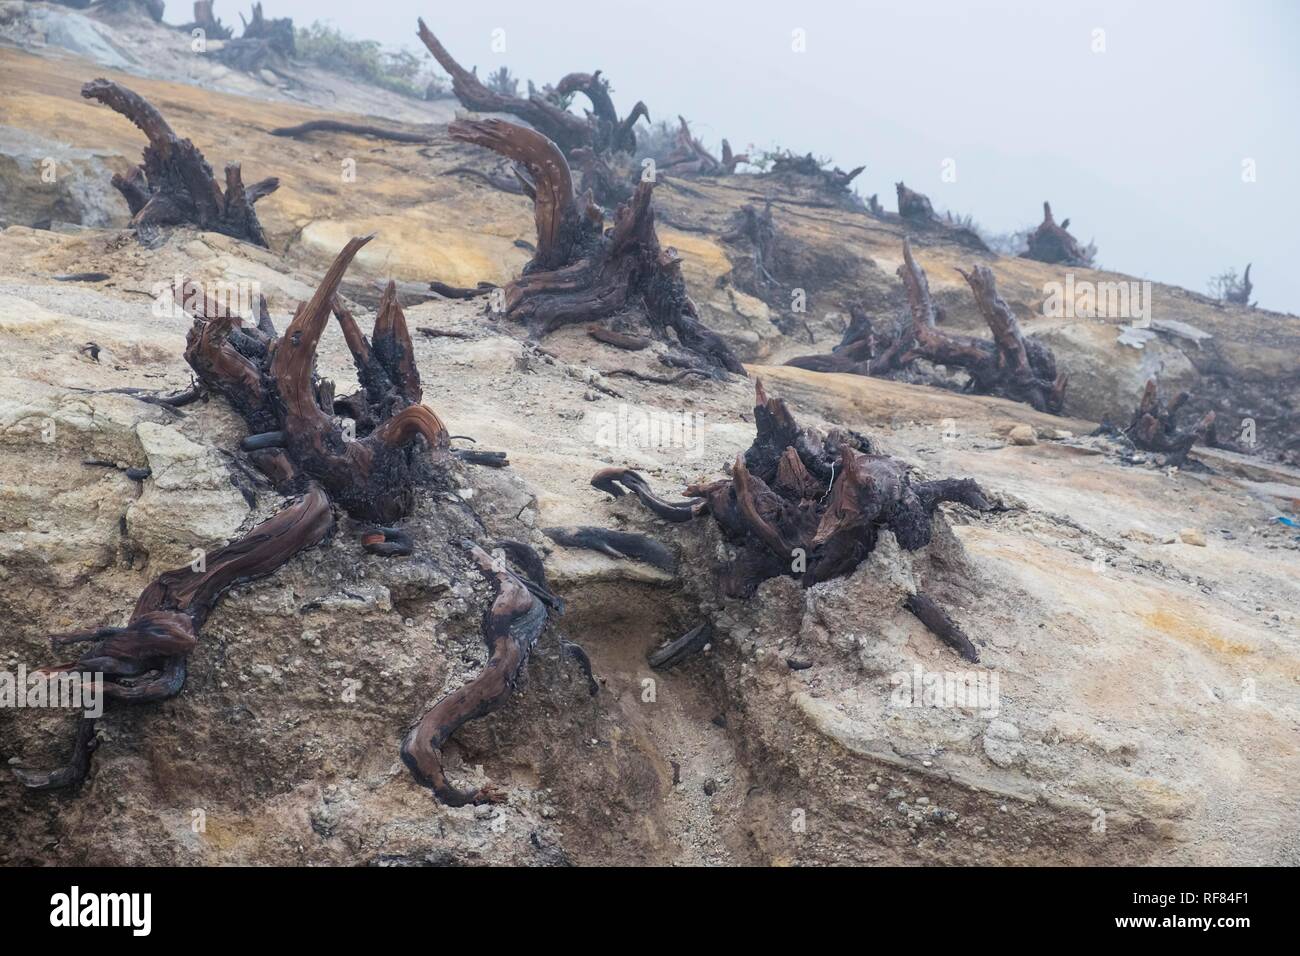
(1141,146)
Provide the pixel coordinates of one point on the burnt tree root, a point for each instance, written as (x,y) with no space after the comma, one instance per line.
(619,545)
(805,506)
(145,660)
(676,651)
(864,351)
(371,469)
(1010,365)
(511,627)
(581,272)
(175,184)
(601,145)
(1154,426)
(929,613)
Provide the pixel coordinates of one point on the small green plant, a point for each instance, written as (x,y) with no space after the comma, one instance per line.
(399,71)
(500,81)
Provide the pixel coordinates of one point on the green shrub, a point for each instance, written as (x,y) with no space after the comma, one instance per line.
(400,71)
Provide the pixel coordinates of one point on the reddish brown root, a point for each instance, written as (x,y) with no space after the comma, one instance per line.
(582,272)
(145,660)
(1010,365)
(511,627)
(802,505)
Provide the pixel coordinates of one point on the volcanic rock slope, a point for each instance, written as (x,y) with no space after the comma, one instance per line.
(1140,622)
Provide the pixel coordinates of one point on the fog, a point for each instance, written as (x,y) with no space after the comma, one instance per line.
(1141,145)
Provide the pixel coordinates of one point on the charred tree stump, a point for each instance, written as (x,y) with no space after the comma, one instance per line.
(807,170)
(804,506)
(915,206)
(205,19)
(153,9)
(1052,243)
(278,32)
(755,228)
(731,160)
(373,474)
(175,184)
(1009,365)
(1239,292)
(1154,426)
(370,469)
(264,45)
(917,209)
(581,272)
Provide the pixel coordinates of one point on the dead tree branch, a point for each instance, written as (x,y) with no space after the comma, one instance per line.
(359,129)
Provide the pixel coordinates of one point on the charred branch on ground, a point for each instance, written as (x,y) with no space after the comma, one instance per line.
(918,211)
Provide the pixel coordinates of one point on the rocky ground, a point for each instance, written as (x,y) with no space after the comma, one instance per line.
(1141,621)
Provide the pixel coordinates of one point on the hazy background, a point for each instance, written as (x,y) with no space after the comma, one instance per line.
(1140,146)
